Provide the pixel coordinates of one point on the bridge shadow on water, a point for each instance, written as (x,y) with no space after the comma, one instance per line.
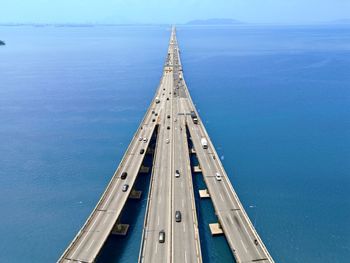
(126,248)
(214,249)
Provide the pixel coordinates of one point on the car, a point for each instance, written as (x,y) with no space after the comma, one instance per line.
(156,114)
(256,242)
(178,216)
(140,139)
(218,176)
(167,140)
(152,111)
(142,151)
(124,175)
(168,116)
(175,120)
(145,140)
(177,173)
(153,120)
(161,237)
(125,187)
(168,127)
(167,98)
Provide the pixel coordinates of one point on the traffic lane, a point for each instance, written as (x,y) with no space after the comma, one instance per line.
(185,245)
(88,234)
(159,217)
(180,198)
(226,197)
(93,243)
(231,198)
(155,223)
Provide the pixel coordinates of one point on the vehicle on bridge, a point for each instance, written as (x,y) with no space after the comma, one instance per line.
(194,117)
(124,175)
(125,187)
(178,216)
(161,236)
(204,143)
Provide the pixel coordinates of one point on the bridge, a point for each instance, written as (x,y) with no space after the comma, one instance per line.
(170,231)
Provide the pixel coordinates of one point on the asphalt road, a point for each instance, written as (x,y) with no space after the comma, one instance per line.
(89,240)
(168,193)
(241,235)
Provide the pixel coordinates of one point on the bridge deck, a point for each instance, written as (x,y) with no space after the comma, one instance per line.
(167,192)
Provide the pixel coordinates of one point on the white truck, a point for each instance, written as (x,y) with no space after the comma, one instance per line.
(204,143)
(157,100)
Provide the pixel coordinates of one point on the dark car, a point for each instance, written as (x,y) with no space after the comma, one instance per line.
(142,151)
(178,216)
(124,175)
(168,127)
(153,120)
(168,116)
(125,187)
(167,98)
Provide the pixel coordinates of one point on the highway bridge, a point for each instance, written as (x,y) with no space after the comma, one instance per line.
(170,231)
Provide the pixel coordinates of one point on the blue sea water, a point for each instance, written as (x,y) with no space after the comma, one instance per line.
(275,101)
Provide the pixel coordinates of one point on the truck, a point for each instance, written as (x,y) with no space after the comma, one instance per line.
(194,117)
(157,100)
(204,143)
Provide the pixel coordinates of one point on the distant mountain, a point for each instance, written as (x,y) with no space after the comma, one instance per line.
(2,43)
(214,21)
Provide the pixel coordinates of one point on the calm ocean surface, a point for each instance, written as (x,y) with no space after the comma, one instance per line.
(275,100)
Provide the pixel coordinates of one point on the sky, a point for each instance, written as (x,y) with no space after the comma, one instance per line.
(172,11)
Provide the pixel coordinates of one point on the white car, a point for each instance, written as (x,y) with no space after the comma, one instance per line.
(140,139)
(218,176)
(177,173)
(167,140)
(144,139)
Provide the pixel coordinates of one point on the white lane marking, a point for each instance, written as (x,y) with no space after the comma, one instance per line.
(184,227)
(156,247)
(244,246)
(185,256)
(221,197)
(158,221)
(104,221)
(182,184)
(92,242)
(183,203)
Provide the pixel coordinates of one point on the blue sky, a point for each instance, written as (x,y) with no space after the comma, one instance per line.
(172,11)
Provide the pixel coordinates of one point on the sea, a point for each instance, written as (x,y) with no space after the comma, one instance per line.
(275,100)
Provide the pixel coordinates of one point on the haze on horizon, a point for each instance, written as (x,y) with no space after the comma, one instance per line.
(172,11)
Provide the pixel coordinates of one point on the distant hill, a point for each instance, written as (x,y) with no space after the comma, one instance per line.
(2,43)
(214,21)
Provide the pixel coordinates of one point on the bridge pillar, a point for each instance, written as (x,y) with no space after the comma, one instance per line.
(215,229)
(204,193)
(134,194)
(197,168)
(120,229)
